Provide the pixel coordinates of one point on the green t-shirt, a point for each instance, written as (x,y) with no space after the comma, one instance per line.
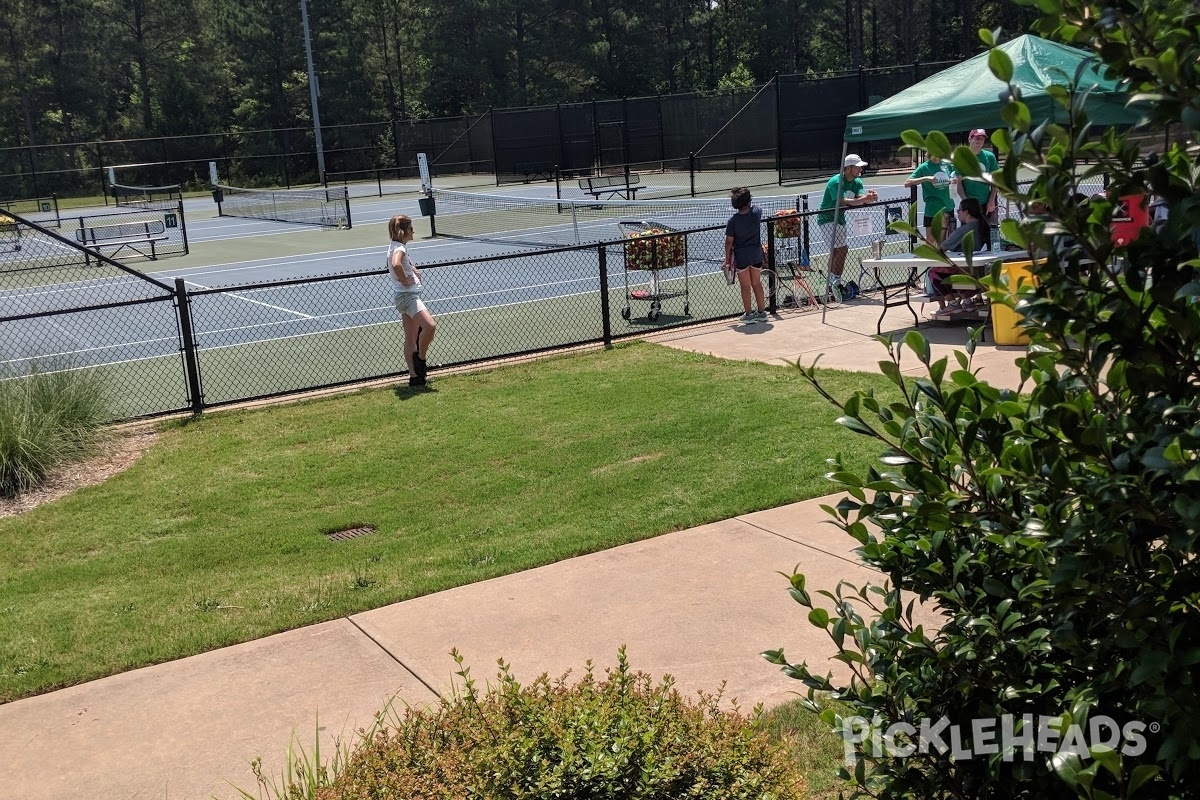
(836,184)
(978,189)
(937,198)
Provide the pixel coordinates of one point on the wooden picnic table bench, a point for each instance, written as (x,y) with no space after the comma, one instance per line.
(125,235)
(625,186)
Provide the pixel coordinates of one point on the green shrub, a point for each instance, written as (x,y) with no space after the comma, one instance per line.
(47,419)
(1053,529)
(621,737)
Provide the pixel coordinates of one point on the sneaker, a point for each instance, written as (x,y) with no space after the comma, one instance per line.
(748,318)
(761,316)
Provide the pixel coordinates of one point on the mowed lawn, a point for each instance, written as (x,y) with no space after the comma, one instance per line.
(218,534)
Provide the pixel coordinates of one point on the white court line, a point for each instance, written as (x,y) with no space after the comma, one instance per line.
(337,314)
(390,322)
(173,339)
(255,302)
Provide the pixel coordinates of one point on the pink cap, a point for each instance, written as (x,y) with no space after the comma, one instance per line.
(978,132)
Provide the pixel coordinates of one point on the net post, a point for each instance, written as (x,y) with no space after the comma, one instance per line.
(575,223)
(692,171)
(557,183)
(183,228)
(346,201)
(187,340)
(605,322)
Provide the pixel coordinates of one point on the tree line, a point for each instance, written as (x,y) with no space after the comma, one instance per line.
(80,70)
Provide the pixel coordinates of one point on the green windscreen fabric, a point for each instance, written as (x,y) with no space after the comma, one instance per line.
(967,95)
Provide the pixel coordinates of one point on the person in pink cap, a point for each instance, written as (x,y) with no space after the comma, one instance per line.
(980,190)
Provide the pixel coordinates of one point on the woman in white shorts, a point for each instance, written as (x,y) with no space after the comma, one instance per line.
(419,325)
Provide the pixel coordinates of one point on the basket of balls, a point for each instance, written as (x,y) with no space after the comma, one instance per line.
(786,224)
(648,245)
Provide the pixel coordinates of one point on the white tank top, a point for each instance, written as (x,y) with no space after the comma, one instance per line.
(406,265)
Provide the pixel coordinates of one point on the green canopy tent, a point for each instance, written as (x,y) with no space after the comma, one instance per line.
(967,95)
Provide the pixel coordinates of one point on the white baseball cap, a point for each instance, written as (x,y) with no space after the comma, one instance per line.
(853,160)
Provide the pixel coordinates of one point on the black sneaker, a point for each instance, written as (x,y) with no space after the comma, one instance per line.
(415,381)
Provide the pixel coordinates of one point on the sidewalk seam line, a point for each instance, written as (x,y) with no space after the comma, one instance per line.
(392,656)
(802,544)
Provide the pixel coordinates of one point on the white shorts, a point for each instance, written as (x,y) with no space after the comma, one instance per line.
(409,303)
(834,234)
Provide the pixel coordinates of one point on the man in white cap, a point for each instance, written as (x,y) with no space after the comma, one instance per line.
(980,190)
(849,187)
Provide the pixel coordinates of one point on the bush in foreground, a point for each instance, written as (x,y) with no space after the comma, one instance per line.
(622,736)
(1055,529)
(47,419)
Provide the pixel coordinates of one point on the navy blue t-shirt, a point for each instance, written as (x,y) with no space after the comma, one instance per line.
(746,230)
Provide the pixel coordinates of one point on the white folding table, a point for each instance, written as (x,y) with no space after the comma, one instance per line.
(913,268)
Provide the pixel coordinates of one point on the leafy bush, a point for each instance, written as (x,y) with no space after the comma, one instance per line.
(47,419)
(619,737)
(1054,529)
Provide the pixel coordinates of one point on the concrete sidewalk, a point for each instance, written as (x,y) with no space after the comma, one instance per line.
(700,604)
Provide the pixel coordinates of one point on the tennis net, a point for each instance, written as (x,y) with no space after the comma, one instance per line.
(143,196)
(546,222)
(329,208)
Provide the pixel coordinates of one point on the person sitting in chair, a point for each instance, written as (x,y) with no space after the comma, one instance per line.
(971,220)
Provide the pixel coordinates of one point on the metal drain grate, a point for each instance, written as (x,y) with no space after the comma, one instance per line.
(349,533)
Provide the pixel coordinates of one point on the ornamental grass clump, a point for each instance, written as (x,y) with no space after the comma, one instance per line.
(47,419)
(622,736)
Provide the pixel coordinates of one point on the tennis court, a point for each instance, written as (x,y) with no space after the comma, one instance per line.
(278,307)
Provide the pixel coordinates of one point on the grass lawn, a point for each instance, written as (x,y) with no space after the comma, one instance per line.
(808,740)
(217,535)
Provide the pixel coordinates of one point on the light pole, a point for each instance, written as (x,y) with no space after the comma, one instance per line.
(313,92)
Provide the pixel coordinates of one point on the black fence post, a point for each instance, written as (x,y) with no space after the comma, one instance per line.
(561,145)
(190,362)
(495,149)
(805,250)
(662,143)
(395,151)
(287,177)
(778,132)
(771,281)
(912,199)
(604,310)
(33,172)
(692,172)
(100,172)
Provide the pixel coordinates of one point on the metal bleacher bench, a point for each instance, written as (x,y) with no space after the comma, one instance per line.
(125,235)
(535,169)
(625,186)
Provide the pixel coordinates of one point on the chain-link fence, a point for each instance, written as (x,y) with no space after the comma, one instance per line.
(67,307)
(767,134)
(165,347)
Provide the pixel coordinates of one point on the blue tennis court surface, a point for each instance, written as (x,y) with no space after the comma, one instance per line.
(229,310)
